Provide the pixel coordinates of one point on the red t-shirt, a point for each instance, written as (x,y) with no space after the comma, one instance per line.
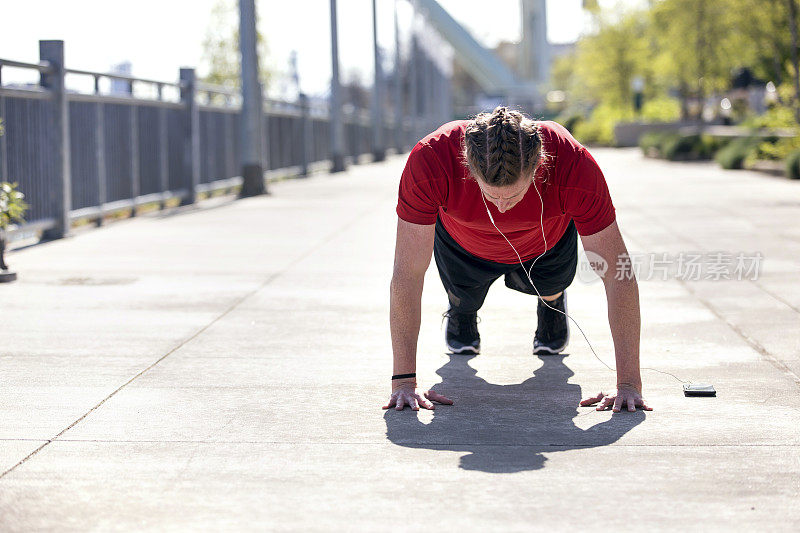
(437,182)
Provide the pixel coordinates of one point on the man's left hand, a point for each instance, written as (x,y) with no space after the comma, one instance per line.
(628,396)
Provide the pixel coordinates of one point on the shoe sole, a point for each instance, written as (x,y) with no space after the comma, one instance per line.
(465,349)
(547,349)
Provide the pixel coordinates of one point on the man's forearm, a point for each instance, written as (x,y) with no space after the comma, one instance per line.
(625,321)
(404,317)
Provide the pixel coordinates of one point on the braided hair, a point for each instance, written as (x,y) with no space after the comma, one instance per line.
(502,146)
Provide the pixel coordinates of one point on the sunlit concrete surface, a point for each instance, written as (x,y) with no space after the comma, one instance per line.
(223,369)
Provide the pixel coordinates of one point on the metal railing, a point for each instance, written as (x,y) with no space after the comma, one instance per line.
(82,156)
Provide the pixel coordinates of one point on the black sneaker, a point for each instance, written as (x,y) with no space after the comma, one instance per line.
(552,330)
(462,334)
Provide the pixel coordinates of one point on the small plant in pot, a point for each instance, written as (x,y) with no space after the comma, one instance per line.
(12,207)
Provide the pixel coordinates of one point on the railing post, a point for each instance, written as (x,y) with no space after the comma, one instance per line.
(335,114)
(306,138)
(377,145)
(427,95)
(253,138)
(163,150)
(399,141)
(230,157)
(448,94)
(100,159)
(134,147)
(355,127)
(58,145)
(268,156)
(191,135)
(413,96)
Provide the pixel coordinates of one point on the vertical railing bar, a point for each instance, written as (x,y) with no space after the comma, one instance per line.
(163,149)
(229,155)
(305,135)
(100,156)
(209,151)
(136,185)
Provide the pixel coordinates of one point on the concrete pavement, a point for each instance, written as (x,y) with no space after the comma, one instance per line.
(223,369)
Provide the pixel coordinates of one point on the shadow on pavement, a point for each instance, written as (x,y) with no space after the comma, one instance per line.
(506,428)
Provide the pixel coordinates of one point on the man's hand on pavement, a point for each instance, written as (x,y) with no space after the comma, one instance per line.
(627,396)
(415,398)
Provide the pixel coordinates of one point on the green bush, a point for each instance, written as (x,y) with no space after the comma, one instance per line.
(777,116)
(793,165)
(12,205)
(679,147)
(733,155)
(715,144)
(776,149)
(12,202)
(661,109)
(652,141)
(764,150)
(676,147)
(599,127)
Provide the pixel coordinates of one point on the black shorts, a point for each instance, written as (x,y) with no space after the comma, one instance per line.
(467,278)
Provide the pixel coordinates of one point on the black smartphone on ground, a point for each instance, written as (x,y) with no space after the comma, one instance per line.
(698,389)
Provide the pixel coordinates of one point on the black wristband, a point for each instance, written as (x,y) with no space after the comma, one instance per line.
(403,376)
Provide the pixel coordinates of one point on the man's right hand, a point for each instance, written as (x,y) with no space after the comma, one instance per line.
(415,398)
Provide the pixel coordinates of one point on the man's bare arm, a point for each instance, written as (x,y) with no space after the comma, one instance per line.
(413,250)
(412,255)
(622,292)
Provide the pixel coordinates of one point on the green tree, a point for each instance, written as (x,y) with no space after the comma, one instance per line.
(792,5)
(604,63)
(221,47)
(760,39)
(688,46)
(766,41)
(694,46)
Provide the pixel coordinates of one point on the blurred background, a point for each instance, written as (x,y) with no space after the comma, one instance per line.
(150,107)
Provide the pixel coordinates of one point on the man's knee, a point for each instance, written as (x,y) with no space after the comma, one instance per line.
(552,297)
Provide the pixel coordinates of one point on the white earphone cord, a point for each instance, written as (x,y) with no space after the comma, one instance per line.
(528,273)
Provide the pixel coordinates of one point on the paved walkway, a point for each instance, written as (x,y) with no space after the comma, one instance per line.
(224,369)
